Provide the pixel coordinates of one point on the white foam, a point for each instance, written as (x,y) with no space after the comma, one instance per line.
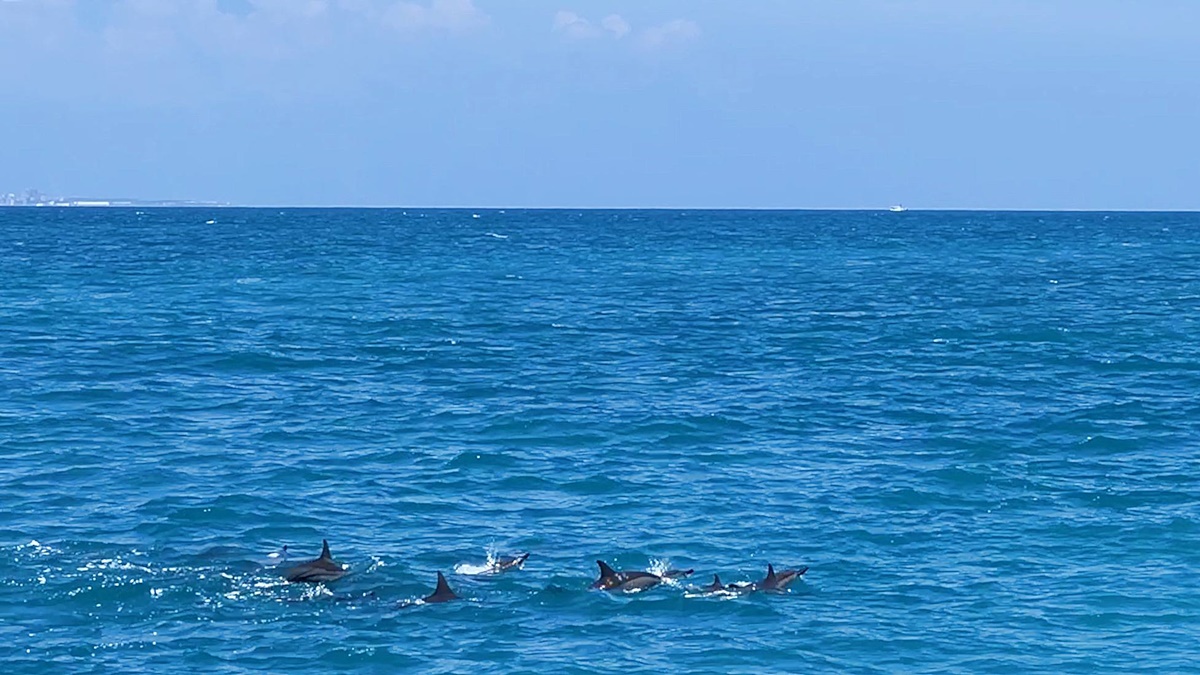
(658,566)
(470,569)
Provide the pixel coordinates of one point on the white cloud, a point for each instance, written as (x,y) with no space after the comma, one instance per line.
(574,26)
(616,25)
(669,34)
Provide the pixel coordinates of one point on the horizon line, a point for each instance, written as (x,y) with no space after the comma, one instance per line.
(181,204)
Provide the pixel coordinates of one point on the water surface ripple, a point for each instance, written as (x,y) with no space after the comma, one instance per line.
(980,430)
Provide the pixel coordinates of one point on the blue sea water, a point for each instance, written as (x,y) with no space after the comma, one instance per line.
(980,430)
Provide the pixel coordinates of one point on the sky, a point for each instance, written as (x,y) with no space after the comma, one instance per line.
(1020,104)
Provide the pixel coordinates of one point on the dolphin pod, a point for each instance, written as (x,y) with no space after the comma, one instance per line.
(324,569)
(774,581)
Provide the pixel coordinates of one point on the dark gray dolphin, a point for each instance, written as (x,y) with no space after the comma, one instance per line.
(715,586)
(317,571)
(612,580)
(779,581)
(505,563)
(442,593)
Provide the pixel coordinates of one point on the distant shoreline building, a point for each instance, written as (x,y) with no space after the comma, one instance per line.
(32,197)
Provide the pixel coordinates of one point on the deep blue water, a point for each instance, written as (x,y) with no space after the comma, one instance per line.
(980,430)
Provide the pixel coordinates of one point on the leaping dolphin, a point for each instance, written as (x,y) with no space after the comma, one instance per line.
(505,563)
(612,580)
(318,571)
(779,581)
(442,593)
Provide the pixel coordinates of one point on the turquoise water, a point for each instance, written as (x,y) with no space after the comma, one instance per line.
(980,430)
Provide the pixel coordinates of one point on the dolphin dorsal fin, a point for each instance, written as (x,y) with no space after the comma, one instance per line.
(325,555)
(605,570)
(443,588)
(717,581)
(770,572)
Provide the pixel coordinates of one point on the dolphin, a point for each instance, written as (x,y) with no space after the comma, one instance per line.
(779,581)
(505,563)
(677,574)
(317,571)
(442,593)
(611,580)
(717,587)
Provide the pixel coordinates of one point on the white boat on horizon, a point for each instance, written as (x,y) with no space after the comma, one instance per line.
(897,209)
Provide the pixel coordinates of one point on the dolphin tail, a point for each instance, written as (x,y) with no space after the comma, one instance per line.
(325,555)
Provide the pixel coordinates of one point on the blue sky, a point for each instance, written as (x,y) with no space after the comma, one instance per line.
(593,103)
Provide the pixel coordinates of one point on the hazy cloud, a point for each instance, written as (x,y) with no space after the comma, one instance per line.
(448,15)
(614,24)
(574,26)
(675,32)
(671,33)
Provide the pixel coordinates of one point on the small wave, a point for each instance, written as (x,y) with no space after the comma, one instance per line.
(494,235)
(36,547)
(719,595)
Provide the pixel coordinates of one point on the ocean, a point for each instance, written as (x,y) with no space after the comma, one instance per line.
(979,430)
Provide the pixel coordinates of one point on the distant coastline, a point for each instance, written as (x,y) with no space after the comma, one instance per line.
(104,203)
(35,198)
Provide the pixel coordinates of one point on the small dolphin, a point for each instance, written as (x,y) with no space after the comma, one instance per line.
(505,563)
(317,571)
(780,581)
(442,593)
(611,580)
(717,587)
(677,574)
